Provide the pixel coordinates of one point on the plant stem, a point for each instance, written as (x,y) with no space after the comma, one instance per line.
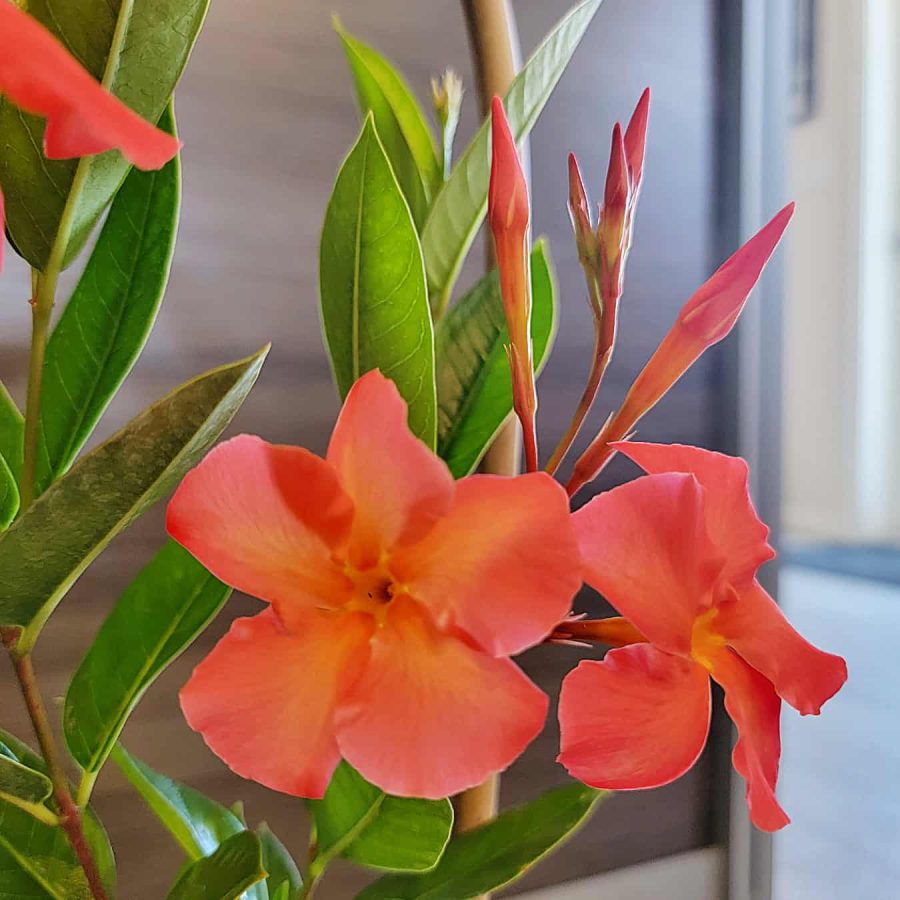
(44,286)
(599,362)
(41,311)
(495,53)
(70,815)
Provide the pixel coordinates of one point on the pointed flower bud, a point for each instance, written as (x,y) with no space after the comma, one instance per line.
(508,214)
(580,214)
(636,142)
(611,230)
(705,319)
(603,254)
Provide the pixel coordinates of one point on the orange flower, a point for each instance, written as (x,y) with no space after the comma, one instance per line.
(677,552)
(508,215)
(704,320)
(397,596)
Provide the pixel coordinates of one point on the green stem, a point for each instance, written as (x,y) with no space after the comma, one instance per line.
(43,299)
(70,815)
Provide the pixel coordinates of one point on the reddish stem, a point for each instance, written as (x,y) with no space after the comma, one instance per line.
(598,368)
(70,814)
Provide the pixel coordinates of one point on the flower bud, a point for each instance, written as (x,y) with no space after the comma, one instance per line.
(446,97)
(703,321)
(508,215)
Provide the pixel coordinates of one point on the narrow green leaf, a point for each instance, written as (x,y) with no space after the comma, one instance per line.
(36,859)
(284,876)
(360,822)
(498,853)
(12,430)
(473,380)
(9,495)
(234,867)
(460,206)
(372,283)
(404,132)
(109,488)
(140,59)
(197,823)
(157,617)
(109,315)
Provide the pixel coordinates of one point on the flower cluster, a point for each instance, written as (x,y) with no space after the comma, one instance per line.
(397,597)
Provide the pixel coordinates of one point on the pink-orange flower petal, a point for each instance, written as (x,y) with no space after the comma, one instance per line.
(754,708)
(757,629)
(636,140)
(432,716)
(502,566)
(265,519)
(644,546)
(639,719)
(264,699)
(398,486)
(39,75)
(731,520)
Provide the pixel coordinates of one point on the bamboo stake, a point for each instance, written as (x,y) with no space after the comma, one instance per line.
(495,53)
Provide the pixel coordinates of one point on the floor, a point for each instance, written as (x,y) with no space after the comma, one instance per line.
(840,777)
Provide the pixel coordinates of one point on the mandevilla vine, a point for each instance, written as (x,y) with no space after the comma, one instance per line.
(378,678)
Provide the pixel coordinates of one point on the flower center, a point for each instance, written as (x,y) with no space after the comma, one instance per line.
(705,641)
(373,590)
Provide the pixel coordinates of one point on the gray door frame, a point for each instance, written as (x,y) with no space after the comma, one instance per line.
(755,47)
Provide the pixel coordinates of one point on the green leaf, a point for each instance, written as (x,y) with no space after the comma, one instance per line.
(234,867)
(159,615)
(12,431)
(109,488)
(23,786)
(9,495)
(372,284)
(496,854)
(473,380)
(199,824)
(109,316)
(36,859)
(140,59)
(284,876)
(460,206)
(358,821)
(404,132)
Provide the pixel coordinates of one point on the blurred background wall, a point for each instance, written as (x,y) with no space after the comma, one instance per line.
(266,112)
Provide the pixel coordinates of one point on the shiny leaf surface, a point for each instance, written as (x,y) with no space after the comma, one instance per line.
(158,616)
(372,284)
(496,854)
(360,822)
(108,317)
(224,875)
